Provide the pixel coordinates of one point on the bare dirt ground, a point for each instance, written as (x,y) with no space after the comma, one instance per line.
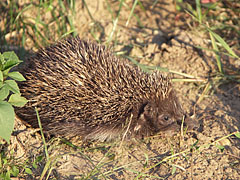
(166,41)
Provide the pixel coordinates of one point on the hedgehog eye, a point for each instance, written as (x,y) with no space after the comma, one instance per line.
(166,118)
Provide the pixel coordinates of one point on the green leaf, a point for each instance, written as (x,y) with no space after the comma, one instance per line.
(7,176)
(178,8)
(34,165)
(4,92)
(39,159)
(220,147)
(14,171)
(12,86)
(1,76)
(174,169)
(28,170)
(11,55)
(17,100)
(7,117)
(12,60)
(237,135)
(5,161)
(2,61)
(146,160)
(16,76)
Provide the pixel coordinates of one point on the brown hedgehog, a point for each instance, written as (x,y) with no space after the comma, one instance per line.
(82,89)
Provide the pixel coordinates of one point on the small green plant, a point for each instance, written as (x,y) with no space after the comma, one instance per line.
(27,19)
(7,167)
(9,93)
(201,15)
(10,166)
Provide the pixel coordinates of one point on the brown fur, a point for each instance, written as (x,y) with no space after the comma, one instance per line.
(83,89)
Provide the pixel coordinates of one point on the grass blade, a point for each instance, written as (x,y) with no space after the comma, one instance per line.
(199,11)
(131,13)
(115,22)
(215,48)
(223,43)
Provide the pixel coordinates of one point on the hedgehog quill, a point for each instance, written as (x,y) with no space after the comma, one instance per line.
(82,89)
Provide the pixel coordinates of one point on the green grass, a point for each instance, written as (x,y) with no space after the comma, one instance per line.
(111,156)
(219,46)
(10,166)
(28,22)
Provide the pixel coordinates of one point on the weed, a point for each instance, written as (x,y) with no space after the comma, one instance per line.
(28,22)
(9,93)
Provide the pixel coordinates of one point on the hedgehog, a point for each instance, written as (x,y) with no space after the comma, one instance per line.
(81,88)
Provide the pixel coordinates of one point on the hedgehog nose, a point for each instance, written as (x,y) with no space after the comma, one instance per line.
(190,123)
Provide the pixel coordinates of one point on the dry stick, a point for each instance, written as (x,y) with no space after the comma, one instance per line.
(206,89)
(181,132)
(124,135)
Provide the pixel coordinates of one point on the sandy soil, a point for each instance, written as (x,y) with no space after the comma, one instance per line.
(166,42)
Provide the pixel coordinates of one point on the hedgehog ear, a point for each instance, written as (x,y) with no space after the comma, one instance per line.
(142,110)
(141,118)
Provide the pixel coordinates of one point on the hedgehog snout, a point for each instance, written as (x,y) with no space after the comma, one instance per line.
(189,122)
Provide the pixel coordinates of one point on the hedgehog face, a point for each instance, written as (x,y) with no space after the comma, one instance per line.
(158,118)
(159,115)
